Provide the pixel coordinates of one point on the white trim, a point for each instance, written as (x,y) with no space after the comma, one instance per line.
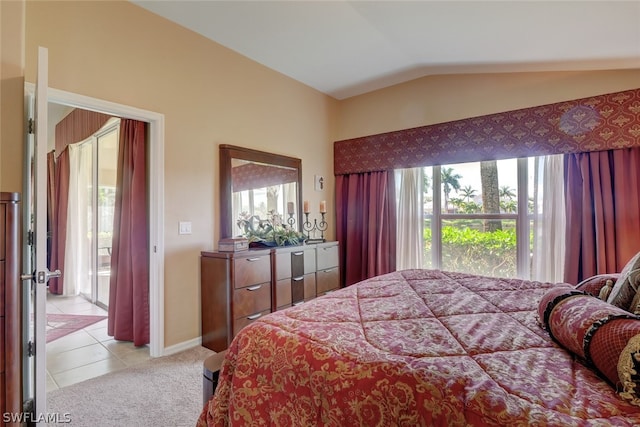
(156,197)
(185,345)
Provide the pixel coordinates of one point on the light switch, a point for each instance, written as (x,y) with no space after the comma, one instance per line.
(185,227)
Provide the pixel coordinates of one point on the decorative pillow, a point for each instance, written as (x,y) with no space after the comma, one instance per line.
(624,291)
(599,285)
(605,337)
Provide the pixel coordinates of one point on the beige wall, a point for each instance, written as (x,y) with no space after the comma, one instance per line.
(209,95)
(437,99)
(11,95)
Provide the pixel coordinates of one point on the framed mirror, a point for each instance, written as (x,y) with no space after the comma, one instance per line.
(258,185)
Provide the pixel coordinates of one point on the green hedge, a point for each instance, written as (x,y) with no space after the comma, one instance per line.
(473,251)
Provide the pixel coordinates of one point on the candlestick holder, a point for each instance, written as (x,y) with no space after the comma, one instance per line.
(315,228)
(291,221)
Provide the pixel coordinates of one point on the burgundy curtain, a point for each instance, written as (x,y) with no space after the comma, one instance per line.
(51,197)
(129,284)
(366,224)
(59,224)
(603,211)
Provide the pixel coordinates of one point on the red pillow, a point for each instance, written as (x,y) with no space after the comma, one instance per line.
(605,337)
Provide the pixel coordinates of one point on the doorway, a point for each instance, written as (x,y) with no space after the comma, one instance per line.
(78,345)
(155,124)
(155,161)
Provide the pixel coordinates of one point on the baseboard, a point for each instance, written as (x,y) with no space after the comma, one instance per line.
(185,345)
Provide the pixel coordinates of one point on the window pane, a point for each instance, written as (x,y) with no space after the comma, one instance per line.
(467,248)
(463,185)
(426,253)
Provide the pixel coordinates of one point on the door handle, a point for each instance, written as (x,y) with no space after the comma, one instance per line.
(42,276)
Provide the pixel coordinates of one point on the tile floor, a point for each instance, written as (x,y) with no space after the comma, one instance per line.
(87,353)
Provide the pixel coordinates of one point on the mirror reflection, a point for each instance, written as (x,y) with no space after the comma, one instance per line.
(263,192)
(257,187)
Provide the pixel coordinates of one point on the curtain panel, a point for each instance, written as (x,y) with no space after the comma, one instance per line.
(129,282)
(597,123)
(603,212)
(366,225)
(59,220)
(409,214)
(77,126)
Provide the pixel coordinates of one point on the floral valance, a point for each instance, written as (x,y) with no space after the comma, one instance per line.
(596,123)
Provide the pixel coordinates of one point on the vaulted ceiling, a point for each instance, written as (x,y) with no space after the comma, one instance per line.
(346,48)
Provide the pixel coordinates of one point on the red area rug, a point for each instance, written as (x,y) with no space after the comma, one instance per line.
(59,325)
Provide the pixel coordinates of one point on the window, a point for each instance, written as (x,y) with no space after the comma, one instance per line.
(476,217)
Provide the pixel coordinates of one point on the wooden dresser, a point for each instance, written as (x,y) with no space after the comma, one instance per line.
(295,275)
(235,291)
(10,309)
(238,288)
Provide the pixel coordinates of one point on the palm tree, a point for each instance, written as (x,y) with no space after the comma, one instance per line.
(467,193)
(507,193)
(450,181)
(490,193)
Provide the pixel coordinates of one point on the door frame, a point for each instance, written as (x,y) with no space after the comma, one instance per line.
(156,196)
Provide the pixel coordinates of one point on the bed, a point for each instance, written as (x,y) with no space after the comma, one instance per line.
(426,348)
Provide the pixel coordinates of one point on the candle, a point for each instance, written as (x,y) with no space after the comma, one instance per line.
(323,206)
(290,207)
(306,206)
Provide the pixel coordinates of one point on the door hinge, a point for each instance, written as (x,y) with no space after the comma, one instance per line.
(30,236)
(31,127)
(31,349)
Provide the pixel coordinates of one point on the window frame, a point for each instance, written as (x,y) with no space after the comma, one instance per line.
(522,218)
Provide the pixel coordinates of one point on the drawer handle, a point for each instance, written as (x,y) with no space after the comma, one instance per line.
(329,270)
(254,316)
(297,279)
(253,259)
(297,253)
(254,288)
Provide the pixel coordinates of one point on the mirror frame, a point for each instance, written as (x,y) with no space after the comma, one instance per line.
(229,152)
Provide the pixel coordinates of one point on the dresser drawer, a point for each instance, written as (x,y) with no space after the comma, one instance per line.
(283,293)
(2,286)
(309,286)
(327,280)
(327,256)
(251,300)
(246,320)
(2,231)
(310,260)
(2,349)
(283,265)
(251,270)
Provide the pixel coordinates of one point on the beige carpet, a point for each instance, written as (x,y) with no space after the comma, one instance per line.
(165,391)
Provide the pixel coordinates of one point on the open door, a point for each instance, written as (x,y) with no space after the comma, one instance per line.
(36,274)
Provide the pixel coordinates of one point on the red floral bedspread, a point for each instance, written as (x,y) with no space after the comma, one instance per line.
(412,348)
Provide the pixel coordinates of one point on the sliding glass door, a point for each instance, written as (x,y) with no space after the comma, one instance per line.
(93,175)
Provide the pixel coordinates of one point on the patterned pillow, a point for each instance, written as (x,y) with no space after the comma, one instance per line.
(624,291)
(599,285)
(603,336)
